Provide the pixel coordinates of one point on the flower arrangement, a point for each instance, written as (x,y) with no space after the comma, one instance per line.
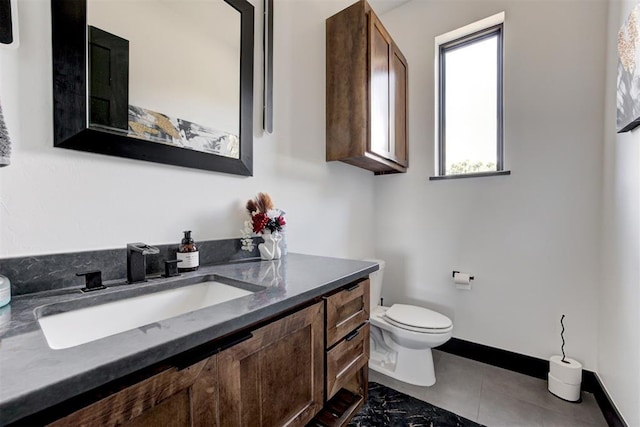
(264,217)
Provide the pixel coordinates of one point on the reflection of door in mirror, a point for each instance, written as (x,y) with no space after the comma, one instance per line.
(183,71)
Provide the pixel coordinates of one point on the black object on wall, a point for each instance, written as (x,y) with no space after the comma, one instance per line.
(109,79)
(268,66)
(6,22)
(71,129)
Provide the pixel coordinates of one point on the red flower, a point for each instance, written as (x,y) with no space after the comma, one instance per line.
(260,220)
(281,221)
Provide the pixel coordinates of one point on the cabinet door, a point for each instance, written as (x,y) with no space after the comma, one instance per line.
(399,104)
(388,96)
(174,397)
(380,50)
(276,377)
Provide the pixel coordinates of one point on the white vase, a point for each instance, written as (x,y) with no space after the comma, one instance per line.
(270,249)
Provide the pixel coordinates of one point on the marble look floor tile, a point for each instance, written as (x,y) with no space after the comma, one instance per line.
(499,410)
(388,407)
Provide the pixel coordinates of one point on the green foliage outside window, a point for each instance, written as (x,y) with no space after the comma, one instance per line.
(466,166)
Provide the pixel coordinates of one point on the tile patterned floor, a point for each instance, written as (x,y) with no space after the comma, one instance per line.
(497,397)
(388,407)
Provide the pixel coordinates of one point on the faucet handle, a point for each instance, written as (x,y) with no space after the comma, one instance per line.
(171,268)
(93,280)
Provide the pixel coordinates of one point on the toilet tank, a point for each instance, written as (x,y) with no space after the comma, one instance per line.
(376,282)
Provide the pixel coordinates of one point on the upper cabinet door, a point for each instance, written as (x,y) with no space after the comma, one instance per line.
(388,106)
(399,103)
(380,51)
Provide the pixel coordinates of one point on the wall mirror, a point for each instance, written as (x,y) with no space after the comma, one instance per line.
(168,81)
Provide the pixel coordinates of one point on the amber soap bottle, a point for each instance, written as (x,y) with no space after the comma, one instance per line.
(188,254)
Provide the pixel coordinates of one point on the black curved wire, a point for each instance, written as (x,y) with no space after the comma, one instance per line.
(562,336)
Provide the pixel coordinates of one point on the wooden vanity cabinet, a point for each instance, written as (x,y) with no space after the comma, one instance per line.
(308,367)
(367,78)
(273,378)
(175,397)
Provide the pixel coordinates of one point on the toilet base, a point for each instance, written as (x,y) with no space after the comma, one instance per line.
(411,366)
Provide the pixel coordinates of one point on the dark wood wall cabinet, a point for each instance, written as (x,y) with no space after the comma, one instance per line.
(367,96)
(308,366)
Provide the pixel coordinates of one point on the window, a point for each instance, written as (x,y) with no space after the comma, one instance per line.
(469,123)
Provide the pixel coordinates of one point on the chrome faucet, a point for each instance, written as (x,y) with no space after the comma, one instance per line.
(136,261)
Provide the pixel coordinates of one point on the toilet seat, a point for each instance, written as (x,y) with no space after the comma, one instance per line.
(418,319)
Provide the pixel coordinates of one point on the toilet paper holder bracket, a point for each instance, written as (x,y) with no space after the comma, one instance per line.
(454,275)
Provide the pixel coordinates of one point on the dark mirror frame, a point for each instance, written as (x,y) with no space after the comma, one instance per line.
(70,108)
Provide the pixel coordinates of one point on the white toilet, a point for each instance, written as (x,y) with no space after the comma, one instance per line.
(402,337)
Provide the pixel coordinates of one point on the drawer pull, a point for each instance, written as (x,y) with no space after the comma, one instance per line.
(352,335)
(353,288)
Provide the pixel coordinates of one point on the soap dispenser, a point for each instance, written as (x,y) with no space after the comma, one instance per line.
(188,254)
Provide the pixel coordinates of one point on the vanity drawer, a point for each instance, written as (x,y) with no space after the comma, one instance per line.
(346,310)
(346,358)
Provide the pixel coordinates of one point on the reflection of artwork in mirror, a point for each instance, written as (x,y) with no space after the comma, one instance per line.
(158,127)
(160,71)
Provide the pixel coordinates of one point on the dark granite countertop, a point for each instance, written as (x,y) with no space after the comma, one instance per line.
(34,377)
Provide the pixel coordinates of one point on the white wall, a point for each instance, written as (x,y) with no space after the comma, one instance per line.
(531,239)
(54,200)
(619,342)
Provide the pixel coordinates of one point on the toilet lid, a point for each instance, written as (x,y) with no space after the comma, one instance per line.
(418,317)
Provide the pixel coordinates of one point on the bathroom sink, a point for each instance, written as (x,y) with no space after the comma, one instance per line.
(66,327)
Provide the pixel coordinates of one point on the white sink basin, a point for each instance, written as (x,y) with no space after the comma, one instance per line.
(83,325)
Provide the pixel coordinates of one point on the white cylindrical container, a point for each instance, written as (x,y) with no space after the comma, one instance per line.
(570,392)
(565,378)
(5,291)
